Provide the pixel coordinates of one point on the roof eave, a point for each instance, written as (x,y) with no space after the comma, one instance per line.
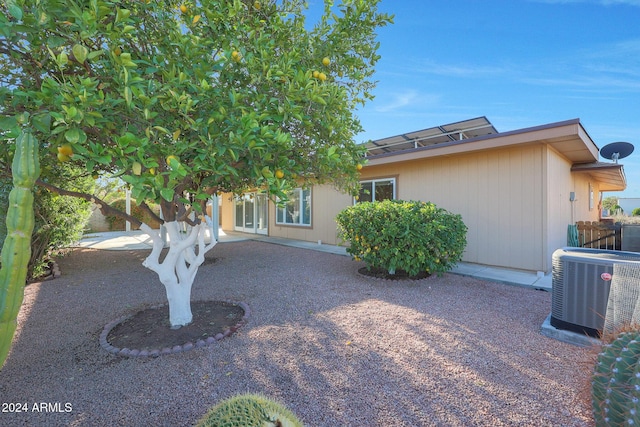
(567,137)
(610,176)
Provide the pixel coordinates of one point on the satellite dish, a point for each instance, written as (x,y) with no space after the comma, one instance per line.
(616,150)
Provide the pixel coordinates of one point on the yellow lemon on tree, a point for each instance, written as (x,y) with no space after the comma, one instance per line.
(322,76)
(136,168)
(256,5)
(279,174)
(236,56)
(316,74)
(183,8)
(326,61)
(65,150)
(169,158)
(359,166)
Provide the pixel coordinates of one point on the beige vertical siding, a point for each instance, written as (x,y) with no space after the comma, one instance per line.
(497,193)
(560,210)
(226,212)
(326,203)
(514,201)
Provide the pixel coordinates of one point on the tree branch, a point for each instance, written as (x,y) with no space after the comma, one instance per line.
(104,206)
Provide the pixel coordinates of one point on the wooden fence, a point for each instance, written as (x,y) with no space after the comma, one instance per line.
(600,235)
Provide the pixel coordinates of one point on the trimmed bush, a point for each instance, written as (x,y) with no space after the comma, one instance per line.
(635,212)
(409,236)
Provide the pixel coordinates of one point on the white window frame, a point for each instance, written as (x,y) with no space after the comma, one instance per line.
(303,221)
(373,187)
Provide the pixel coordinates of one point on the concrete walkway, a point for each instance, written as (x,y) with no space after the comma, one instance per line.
(133,240)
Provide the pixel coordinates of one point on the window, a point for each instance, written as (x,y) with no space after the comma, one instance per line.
(377,190)
(297,210)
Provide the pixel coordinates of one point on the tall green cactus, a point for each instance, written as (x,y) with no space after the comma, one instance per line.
(16,250)
(615,386)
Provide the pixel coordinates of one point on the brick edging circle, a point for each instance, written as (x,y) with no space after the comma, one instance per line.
(127,352)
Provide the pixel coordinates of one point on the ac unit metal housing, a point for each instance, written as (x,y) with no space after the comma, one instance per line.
(581,280)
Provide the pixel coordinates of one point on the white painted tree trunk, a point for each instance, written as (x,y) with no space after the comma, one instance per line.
(179,267)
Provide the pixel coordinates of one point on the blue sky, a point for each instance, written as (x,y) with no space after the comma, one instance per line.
(520,63)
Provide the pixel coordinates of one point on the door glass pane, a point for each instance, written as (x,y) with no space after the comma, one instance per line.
(248,211)
(239,212)
(261,201)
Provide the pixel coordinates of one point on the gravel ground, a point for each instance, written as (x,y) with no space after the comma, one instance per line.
(337,348)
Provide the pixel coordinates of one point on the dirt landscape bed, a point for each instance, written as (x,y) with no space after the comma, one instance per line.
(337,348)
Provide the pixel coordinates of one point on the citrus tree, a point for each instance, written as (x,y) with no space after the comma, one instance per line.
(186,100)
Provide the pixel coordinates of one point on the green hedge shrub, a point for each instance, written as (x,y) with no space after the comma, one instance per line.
(117,223)
(635,212)
(409,236)
(59,220)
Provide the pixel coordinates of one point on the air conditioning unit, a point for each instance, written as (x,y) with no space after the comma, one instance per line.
(581,282)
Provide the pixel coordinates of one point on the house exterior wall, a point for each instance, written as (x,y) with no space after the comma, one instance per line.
(497,192)
(560,210)
(515,202)
(326,203)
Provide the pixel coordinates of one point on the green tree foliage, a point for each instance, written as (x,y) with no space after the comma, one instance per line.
(635,212)
(409,236)
(224,95)
(610,203)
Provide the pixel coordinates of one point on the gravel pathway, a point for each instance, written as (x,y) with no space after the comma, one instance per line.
(337,348)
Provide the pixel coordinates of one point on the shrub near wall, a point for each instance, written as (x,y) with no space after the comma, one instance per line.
(409,236)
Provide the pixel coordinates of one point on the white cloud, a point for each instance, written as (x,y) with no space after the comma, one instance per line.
(467,70)
(407,98)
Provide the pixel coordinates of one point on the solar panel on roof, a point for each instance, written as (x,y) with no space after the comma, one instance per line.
(458,131)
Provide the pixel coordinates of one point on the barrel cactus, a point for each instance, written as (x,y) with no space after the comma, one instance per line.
(615,386)
(249,410)
(16,250)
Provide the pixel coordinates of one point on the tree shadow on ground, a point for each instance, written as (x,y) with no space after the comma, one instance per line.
(333,346)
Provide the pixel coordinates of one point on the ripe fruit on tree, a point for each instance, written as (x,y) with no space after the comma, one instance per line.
(65,149)
(326,61)
(183,8)
(256,5)
(359,166)
(316,74)
(279,174)
(136,168)
(322,76)
(172,157)
(236,56)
